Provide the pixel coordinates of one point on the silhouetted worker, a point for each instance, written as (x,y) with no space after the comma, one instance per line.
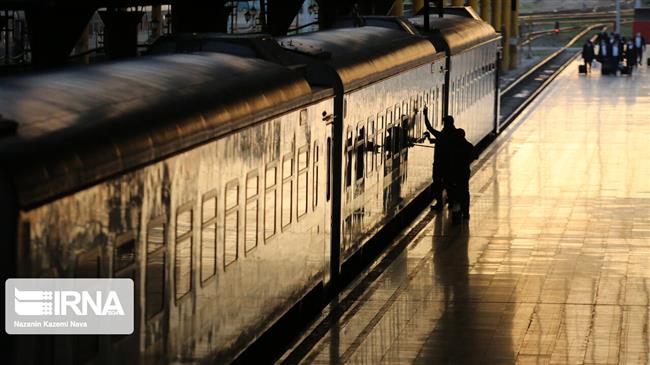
(639,44)
(462,156)
(442,140)
(588,55)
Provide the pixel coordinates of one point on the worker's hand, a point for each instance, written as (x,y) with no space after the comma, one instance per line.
(425,110)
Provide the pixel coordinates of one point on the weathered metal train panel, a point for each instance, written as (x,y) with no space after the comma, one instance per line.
(472,90)
(77,127)
(361,56)
(461,31)
(221,240)
(383,170)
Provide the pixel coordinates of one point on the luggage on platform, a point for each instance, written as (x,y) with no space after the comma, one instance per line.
(582,69)
(626,70)
(606,69)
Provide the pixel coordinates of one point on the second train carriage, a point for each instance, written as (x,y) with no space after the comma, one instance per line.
(472,48)
(382,79)
(201,177)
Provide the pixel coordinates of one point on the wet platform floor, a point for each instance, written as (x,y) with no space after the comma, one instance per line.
(552,268)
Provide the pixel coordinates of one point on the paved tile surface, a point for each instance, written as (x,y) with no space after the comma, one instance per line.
(554,266)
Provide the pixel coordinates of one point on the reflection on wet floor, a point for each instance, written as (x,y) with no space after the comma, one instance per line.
(554,267)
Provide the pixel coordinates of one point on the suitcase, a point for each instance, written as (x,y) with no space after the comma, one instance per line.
(626,70)
(606,69)
(582,69)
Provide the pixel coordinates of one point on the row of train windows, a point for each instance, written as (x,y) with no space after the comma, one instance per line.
(387,131)
(278,193)
(470,88)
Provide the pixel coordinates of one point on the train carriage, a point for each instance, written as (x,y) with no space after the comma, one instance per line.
(382,79)
(471,46)
(472,49)
(201,177)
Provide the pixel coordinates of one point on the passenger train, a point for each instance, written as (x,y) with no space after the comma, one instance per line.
(228,183)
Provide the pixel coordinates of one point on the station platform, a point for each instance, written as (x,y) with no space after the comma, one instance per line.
(552,268)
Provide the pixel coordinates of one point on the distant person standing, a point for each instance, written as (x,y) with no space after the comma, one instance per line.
(630,55)
(639,44)
(588,55)
(616,54)
(604,54)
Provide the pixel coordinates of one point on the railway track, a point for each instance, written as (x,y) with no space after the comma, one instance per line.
(573,15)
(521,92)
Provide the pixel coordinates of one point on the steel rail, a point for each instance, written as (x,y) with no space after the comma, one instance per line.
(513,114)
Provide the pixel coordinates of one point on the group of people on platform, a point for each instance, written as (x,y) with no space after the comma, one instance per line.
(451,166)
(614,52)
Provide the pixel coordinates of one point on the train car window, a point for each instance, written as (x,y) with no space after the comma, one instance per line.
(360,151)
(231,224)
(208,236)
(349,146)
(303,181)
(270,201)
(155,272)
(209,206)
(124,256)
(315,176)
(252,211)
(452,99)
(183,254)
(329,169)
(303,116)
(471,91)
(465,91)
(388,141)
(183,221)
(232,194)
(380,140)
(418,119)
(371,145)
(252,185)
(287,190)
(433,107)
(464,99)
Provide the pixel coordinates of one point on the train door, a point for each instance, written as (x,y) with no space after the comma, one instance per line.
(348,188)
(329,215)
(360,177)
